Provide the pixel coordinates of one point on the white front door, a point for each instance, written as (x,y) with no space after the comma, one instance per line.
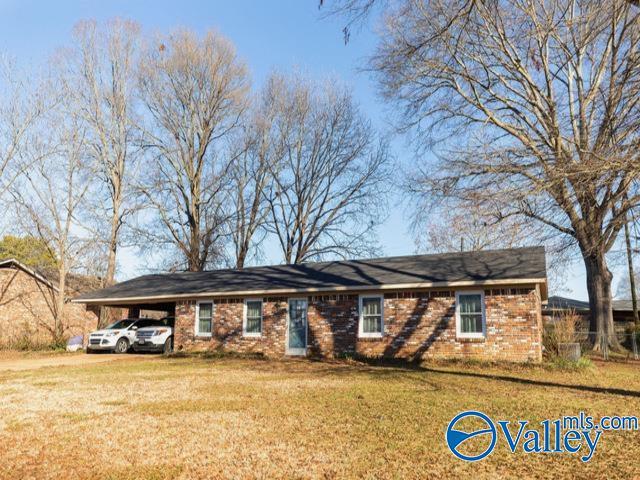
(297,327)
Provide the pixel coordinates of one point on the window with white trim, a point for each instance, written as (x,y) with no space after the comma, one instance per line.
(470,314)
(371,322)
(204,318)
(252,322)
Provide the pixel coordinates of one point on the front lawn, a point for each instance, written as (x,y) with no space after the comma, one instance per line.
(207,418)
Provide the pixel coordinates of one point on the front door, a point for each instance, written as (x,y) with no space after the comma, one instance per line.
(297,327)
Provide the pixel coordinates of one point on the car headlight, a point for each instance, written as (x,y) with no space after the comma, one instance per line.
(160,331)
(113,334)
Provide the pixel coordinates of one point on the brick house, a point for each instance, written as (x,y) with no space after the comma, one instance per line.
(27,303)
(484,305)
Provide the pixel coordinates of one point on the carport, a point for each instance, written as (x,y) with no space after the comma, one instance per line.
(134,310)
(121,337)
(148,310)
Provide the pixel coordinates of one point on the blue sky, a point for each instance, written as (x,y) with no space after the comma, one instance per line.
(279,34)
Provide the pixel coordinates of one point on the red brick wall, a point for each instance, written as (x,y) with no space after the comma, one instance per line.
(416,324)
(26,307)
(227,327)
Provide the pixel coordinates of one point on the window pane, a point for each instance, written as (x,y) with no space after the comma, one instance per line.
(253,325)
(372,324)
(254,317)
(205,326)
(297,309)
(371,306)
(254,309)
(205,311)
(470,303)
(471,322)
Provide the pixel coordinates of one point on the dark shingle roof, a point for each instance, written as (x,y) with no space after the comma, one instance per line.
(563,303)
(440,269)
(622,305)
(556,302)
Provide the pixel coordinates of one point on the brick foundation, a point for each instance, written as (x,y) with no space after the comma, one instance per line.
(417,324)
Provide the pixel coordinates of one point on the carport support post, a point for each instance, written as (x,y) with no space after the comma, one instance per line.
(134,312)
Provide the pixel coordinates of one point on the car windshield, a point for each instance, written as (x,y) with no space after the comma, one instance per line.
(148,322)
(120,324)
(168,321)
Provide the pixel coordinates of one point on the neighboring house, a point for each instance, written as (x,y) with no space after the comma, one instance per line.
(483,304)
(556,306)
(27,302)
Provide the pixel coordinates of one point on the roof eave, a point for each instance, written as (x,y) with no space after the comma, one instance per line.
(240,293)
(29,271)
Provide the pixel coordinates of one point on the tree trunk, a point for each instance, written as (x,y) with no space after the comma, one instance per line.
(60,303)
(113,249)
(241,257)
(632,277)
(103,317)
(601,329)
(194,259)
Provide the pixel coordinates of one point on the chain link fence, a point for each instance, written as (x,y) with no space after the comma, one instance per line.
(626,340)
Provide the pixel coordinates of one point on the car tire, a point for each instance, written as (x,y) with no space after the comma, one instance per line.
(90,351)
(122,346)
(168,346)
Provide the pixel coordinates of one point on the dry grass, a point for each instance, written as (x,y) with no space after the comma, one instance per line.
(196,418)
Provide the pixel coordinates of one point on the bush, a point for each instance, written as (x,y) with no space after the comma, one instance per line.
(216,354)
(26,342)
(563,329)
(60,344)
(549,341)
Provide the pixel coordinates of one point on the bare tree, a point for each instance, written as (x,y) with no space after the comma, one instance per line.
(194,90)
(541,99)
(253,153)
(467,229)
(102,68)
(49,197)
(20,107)
(328,189)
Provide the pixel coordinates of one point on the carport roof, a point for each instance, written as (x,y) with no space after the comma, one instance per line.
(490,267)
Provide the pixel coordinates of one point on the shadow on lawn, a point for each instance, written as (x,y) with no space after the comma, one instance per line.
(413,366)
(393,367)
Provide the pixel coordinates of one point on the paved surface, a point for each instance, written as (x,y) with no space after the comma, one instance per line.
(27,363)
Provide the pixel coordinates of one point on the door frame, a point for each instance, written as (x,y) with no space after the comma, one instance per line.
(297,351)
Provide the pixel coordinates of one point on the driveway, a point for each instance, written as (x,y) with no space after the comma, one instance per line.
(23,362)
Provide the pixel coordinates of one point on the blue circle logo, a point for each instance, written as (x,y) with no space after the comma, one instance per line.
(456,438)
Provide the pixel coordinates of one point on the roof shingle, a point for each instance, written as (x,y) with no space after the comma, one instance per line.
(439,269)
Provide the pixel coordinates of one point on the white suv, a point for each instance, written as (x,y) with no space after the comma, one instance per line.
(119,336)
(155,338)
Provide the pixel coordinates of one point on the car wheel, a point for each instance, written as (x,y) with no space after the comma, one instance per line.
(168,346)
(122,346)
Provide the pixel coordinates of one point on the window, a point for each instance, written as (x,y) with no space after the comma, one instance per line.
(252,322)
(204,318)
(371,322)
(470,315)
